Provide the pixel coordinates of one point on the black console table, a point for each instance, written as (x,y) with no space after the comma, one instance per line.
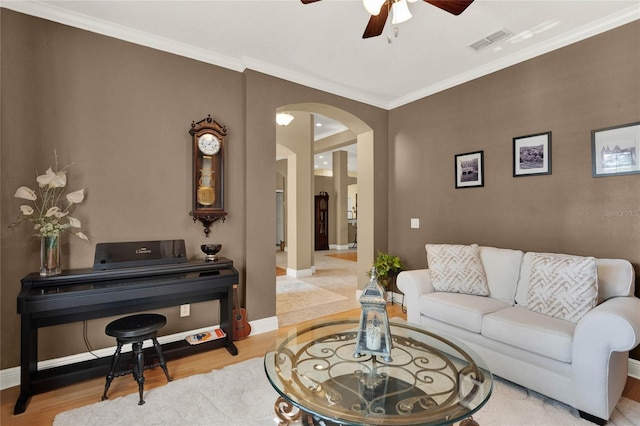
(84,294)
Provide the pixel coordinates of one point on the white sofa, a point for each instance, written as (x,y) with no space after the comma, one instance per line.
(583,364)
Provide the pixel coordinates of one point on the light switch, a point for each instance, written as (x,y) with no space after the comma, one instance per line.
(415,223)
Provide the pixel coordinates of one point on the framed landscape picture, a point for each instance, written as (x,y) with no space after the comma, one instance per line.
(469,169)
(532,155)
(614,150)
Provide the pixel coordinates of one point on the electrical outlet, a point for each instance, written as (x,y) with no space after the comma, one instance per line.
(185,310)
(415,223)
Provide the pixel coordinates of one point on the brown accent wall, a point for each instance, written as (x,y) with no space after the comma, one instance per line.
(263,95)
(588,85)
(121,113)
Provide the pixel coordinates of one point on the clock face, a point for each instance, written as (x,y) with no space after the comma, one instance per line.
(209,144)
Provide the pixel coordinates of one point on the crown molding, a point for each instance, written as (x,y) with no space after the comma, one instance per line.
(56,14)
(605,24)
(314,83)
(53,13)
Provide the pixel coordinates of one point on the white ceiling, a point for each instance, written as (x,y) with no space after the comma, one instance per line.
(320,45)
(323,162)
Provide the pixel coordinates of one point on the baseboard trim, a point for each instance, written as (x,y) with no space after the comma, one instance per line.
(339,246)
(299,273)
(634,368)
(10,377)
(264,325)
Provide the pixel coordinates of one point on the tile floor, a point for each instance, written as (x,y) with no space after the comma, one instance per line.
(331,289)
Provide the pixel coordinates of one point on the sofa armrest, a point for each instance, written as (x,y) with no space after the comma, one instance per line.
(613,325)
(601,342)
(414,284)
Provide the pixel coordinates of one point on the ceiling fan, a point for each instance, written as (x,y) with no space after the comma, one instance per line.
(399,7)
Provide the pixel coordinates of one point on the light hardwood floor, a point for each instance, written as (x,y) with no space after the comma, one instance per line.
(44,407)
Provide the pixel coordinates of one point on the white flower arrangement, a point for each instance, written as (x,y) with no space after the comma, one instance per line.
(46,213)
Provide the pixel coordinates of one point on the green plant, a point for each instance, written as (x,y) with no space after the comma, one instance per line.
(387,267)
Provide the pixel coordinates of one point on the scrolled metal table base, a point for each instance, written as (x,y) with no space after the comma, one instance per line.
(289,414)
(286,411)
(469,422)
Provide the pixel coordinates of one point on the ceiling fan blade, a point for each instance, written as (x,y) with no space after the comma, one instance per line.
(376,23)
(455,7)
(308,1)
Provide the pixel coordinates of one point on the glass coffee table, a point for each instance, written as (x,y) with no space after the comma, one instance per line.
(430,380)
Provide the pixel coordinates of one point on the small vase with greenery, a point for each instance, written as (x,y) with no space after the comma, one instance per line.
(387,268)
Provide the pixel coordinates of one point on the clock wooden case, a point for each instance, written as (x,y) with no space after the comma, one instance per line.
(208,171)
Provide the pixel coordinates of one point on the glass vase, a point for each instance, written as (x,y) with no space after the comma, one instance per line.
(50,255)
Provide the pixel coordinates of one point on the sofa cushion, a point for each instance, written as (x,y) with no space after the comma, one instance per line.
(562,286)
(616,277)
(541,334)
(502,269)
(457,269)
(460,310)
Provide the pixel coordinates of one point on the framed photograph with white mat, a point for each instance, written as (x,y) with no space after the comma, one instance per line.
(614,150)
(532,155)
(469,169)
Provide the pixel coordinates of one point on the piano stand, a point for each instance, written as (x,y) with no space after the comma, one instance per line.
(79,295)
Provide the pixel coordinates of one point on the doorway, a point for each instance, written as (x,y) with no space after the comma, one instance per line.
(300,244)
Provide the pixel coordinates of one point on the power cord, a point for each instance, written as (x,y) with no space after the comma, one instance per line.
(86,339)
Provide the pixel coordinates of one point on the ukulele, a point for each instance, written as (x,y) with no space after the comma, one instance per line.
(241,327)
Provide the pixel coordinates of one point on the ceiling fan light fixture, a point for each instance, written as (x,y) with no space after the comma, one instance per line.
(401,12)
(373,6)
(284,118)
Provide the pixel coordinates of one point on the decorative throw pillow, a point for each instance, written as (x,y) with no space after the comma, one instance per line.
(562,286)
(457,269)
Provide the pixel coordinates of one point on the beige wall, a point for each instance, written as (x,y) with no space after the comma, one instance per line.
(121,113)
(588,85)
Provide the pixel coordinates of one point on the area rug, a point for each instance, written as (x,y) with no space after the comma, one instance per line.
(297,295)
(240,395)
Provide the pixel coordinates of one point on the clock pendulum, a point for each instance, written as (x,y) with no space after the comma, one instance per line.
(206,193)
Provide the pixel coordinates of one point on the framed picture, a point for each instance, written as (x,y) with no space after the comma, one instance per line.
(614,150)
(469,169)
(532,155)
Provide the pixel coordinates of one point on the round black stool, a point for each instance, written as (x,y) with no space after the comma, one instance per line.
(135,329)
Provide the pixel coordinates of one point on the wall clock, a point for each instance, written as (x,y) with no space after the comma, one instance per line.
(208,171)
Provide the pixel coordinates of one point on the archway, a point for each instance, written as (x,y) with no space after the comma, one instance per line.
(364,142)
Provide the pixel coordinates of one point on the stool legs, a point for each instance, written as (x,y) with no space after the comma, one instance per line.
(163,364)
(135,329)
(138,368)
(111,375)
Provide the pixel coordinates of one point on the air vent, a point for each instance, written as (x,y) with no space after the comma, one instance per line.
(487,41)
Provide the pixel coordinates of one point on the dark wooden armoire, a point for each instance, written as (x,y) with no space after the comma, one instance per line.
(322,221)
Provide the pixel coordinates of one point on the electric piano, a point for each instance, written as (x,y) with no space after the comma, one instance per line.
(84,294)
